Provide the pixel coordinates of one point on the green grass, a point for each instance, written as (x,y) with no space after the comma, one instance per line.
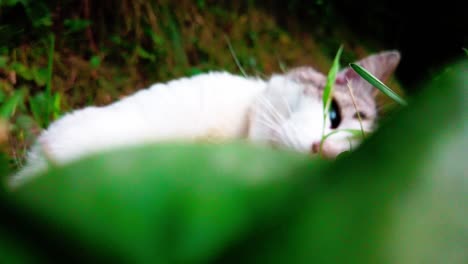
(9,106)
(328,91)
(234,56)
(374,81)
(46,105)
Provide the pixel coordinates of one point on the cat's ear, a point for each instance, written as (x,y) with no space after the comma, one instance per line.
(381,65)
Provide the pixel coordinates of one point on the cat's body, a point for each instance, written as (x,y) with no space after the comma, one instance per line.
(285,110)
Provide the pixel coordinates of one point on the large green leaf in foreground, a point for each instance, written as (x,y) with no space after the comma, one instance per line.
(400,198)
(167,202)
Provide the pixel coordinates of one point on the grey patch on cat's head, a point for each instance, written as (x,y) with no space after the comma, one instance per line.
(306,75)
(312,80)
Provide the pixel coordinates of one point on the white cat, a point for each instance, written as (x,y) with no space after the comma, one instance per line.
(285,111)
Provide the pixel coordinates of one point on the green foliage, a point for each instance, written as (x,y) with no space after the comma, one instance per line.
(3,61)
(4,168)
(377,83)
(76,25)
(329,86)
(328,91)
(400,198)
(193,210)
(7,108)
(53,101)
(37,12)
(95,62)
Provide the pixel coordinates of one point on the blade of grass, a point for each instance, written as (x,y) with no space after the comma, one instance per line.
(50,100)
(56,110)
(355,133)
(377,83)
(328,90)
(350,89)
(234,55)
(8,108)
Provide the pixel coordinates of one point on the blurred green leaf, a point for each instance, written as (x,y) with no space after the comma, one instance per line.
(38,13)
(2,95)
(76,25)
(3,61)
(12,253)
(39,108)
(40,75)
(95,61)
(194,71)
(22,71)
(164,213)
(328,89)
(144,54)
(48,93)
(201,4)
(13,2)
(56,109)
(377,83)
(4,168)
(8,108)
(157,39)
(352,132)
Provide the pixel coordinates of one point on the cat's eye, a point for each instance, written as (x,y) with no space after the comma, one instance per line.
(360,114)
(334,115)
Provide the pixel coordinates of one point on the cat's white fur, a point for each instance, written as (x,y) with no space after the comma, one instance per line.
(285,110)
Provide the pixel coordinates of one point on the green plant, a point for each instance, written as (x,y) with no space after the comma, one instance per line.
(76,25)
(45,105)
(328,91)
(8,106)
(377,83)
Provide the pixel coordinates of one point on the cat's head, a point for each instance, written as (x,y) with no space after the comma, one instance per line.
(289,112)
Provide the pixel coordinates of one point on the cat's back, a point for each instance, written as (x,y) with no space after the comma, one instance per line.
(205,88)
(183,108)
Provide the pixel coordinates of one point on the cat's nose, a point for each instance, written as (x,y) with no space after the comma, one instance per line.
(315,148)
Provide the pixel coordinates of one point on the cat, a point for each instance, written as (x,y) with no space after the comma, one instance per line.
(284,111)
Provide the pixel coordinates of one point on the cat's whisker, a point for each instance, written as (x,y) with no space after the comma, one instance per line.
(288,107)
(293,139)
(266,107)
(264,115)
(270,125)
(271,109)
(285,133)
(295,130)
(282,132)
